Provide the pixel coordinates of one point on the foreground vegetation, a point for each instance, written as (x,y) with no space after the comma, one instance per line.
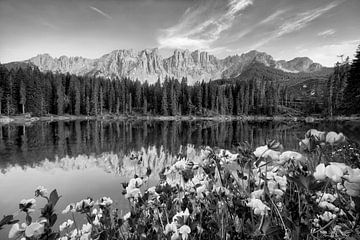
(268,193)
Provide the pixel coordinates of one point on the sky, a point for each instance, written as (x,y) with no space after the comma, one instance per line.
(319,29)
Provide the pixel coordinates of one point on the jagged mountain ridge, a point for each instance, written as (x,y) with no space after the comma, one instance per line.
(149,65)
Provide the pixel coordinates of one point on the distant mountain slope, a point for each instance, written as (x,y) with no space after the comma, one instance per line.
(149,65)
(300,85)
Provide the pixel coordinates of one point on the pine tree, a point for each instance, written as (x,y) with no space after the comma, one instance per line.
(352,89)
(164,102)
(59,96)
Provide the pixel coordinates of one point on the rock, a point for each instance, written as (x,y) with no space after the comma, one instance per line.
(149,65)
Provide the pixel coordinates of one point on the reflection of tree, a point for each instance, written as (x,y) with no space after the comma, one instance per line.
(45,140)
(24,141)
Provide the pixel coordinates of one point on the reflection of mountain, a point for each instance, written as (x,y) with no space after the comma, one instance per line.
(125,165)
(29,145)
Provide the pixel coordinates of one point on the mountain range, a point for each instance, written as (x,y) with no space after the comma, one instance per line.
(150,65)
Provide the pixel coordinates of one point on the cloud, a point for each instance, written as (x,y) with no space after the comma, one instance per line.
(201,25)
(327,33)
(273,16)
(101,12)
(328,54)
(296,23)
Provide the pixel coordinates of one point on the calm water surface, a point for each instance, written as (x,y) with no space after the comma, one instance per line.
(92,158)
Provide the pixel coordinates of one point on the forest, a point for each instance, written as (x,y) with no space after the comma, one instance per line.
(27,90)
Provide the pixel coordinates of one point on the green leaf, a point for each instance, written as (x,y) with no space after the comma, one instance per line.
(52,219)
(54,198)
(7,220)
(28,219)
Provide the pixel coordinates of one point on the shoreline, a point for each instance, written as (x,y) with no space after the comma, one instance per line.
(26,119)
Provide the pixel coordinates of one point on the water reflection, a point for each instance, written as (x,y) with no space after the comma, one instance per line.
(92,158)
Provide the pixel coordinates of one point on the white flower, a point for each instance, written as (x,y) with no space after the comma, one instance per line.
(257,194)
(334,172)
(74,233)
(180,165)
(319,173)
(170,227)
(260,150)
(327,216)
(132,193)
(259,207)
(69,208)
(105,202)
(86,228)
(290,155)
(175,236)
(66,225)
(327,205)
(318,135)
(334,138)
(184,214)
(353,175)
(84,205)
(27,204)
(127,216)
(34,230)
(135,183)
(352,189)
(304,143)
(16,231)
(327,196)
(40,191)
(184,231)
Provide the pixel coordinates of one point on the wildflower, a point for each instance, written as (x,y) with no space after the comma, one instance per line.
(353,175)
(34,230)
(185,214)
(175,236)
(327,196)
(135,183)
(133,193)
(127,216)
(318,135)
(319,173)
(265,152)
(327,205)
(290,155)
(27,204)
(260,151)
(334,172)
(41,191)
(86,228)
(259,207)
(66,225)
(304,143)
(184,231)
(327,216)
(69,208)
(170,227)
(105,202)
(16,231)
(227,156)
(352,189)
(334,138)
(257,194)
(84,205)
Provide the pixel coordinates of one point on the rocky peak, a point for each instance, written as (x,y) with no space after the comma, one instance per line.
(149,65)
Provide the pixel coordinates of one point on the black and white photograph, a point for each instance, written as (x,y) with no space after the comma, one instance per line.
(179,119)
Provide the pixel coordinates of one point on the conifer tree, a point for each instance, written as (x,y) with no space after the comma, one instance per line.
(352,89)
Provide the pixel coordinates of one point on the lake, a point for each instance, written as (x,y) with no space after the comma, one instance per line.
(93,158)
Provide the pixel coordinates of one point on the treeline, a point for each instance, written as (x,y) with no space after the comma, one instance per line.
(27,90)
(343,88)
